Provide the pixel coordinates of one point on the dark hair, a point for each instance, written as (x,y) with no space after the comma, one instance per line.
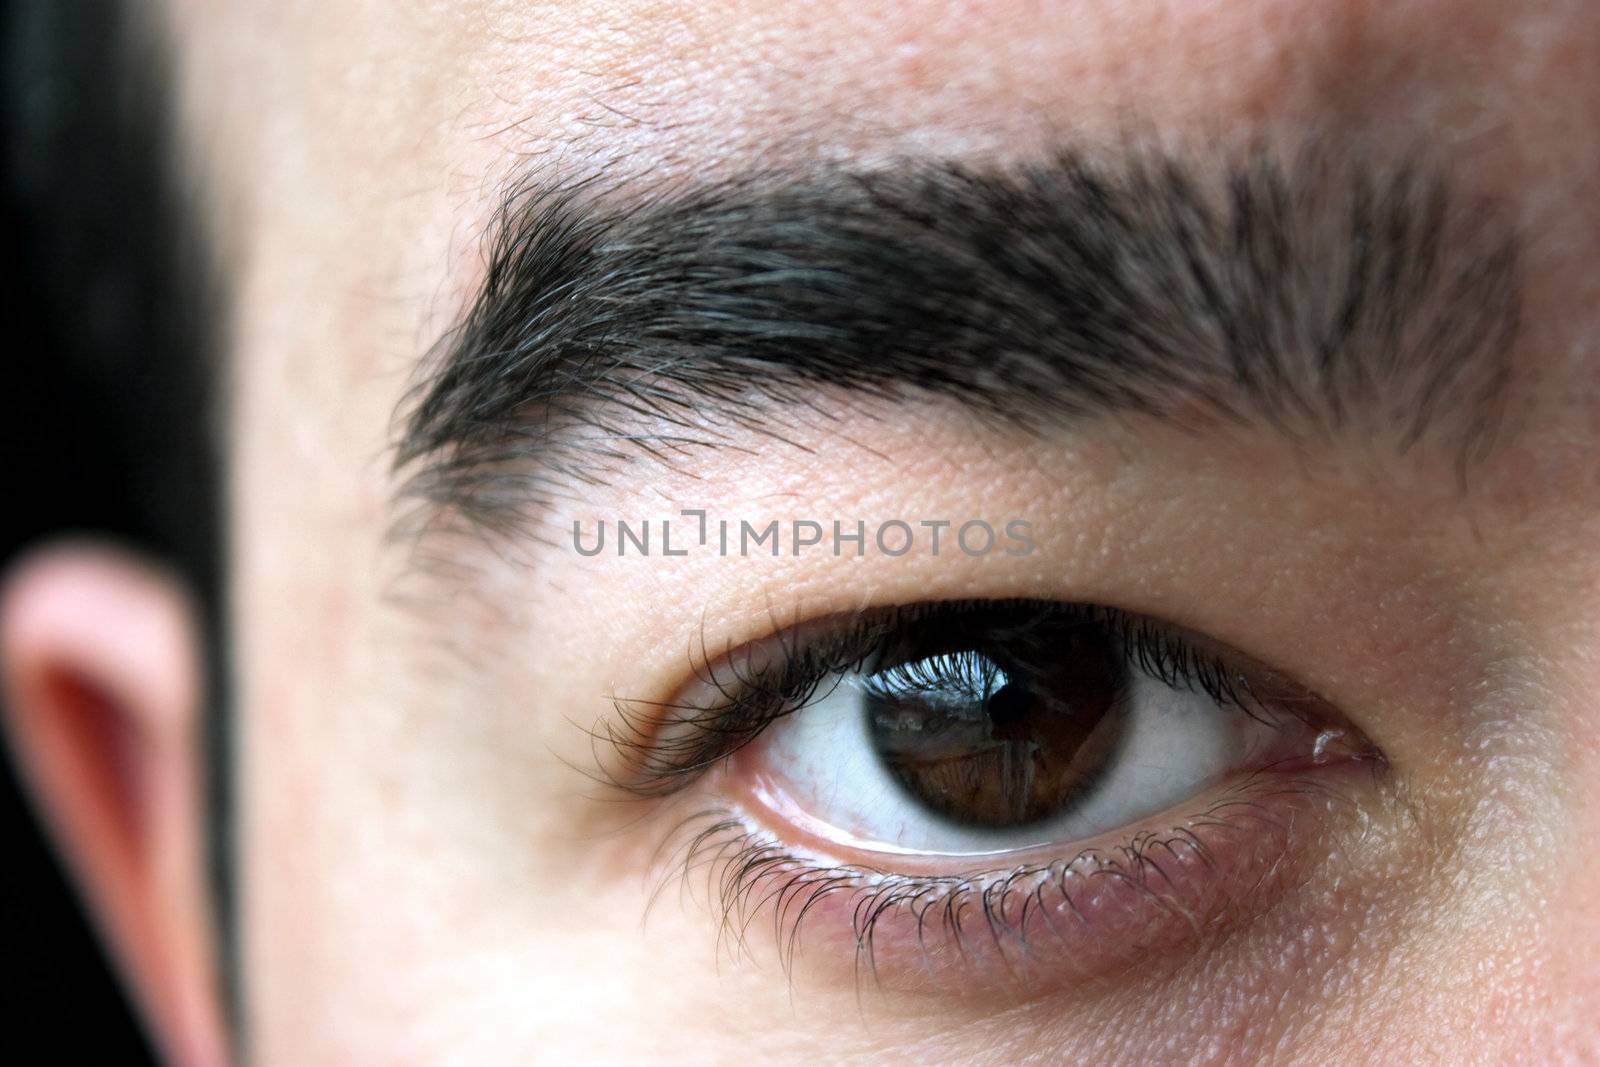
(115,362)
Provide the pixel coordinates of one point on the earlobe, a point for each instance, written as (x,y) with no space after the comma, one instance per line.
(100,667)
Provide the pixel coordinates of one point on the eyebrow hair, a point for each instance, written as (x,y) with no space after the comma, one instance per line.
(1311,296)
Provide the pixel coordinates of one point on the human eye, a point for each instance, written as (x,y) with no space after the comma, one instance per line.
(946,786)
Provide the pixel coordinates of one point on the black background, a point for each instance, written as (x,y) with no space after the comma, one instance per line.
(100,429)
(63,992)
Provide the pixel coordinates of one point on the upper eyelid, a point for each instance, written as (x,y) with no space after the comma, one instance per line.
(745,706)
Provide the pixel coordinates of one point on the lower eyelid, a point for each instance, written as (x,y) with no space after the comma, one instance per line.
(1061,919)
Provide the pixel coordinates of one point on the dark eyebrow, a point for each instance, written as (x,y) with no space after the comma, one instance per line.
(1313,296)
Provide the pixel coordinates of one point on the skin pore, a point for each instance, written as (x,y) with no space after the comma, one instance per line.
(432,865)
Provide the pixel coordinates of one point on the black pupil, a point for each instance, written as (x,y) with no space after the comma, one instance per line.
(1010,730)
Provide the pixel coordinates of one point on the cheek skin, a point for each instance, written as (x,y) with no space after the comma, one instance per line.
(1316,926)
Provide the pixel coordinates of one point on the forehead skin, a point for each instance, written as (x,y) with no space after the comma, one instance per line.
(353,152)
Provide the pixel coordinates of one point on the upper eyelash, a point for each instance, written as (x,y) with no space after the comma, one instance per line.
(653,763)
(660,766)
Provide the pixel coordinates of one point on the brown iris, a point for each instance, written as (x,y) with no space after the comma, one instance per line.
(1005,736)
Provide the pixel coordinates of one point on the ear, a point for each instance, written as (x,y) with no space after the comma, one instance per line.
(99,663)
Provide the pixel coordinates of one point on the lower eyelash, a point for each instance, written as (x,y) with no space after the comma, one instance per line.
(1188,878)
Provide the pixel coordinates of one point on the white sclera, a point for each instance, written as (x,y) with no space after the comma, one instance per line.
(1174,743)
